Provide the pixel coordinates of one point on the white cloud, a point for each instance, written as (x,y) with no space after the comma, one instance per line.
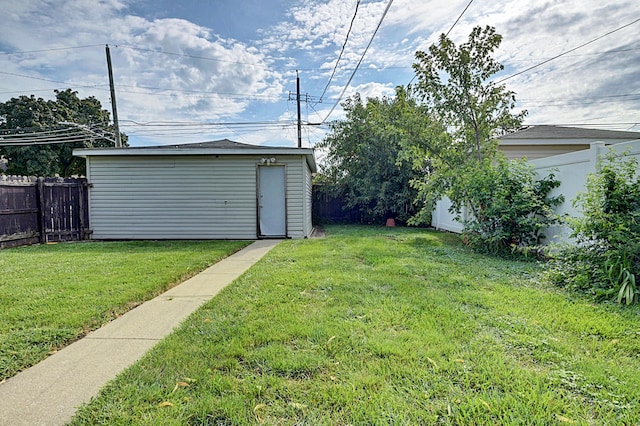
(211,76)
(205,77)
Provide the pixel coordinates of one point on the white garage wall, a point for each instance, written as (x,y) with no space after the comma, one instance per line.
(570,169)
(441,218)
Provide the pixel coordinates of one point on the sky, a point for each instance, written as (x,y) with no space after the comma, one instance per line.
(200,70)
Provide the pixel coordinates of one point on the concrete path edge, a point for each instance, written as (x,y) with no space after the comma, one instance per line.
(50,392)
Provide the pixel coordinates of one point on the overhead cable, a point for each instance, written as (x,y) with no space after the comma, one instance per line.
(459,17)
(204,123)
(184,55)
(568,51)
(447,34)
(50,50)
(32,136)
(384,14)
(335,67)
(49,80)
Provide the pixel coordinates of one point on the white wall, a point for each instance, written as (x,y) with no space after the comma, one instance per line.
(441,218)
(570,169)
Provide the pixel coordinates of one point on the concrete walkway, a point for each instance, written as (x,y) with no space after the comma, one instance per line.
(50,392)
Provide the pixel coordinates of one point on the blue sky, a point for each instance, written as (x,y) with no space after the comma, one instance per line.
(191,70)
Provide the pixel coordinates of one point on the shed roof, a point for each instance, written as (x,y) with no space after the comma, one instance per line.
(559,132)
(219,147)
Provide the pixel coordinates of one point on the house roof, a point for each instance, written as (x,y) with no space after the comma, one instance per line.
(219,144)
(219,147)
(559,132)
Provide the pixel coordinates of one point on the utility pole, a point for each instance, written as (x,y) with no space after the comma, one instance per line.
(113,100)
(299,118)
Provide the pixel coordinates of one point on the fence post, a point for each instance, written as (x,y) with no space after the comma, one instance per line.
(595,150)
(82,186)
(41,209)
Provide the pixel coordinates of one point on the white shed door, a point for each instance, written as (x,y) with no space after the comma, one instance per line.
(272,215)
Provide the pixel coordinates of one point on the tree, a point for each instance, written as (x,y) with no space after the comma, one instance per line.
(454,85)
(363,156)
(30,114)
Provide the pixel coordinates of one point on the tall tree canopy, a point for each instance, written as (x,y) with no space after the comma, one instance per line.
(363,156)
(455,86)
(30,114)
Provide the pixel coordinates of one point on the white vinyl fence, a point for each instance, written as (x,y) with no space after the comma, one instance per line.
(570,169)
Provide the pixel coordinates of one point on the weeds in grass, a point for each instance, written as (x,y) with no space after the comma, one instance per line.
(386,326)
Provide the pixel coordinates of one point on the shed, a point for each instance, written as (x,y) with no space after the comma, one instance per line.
(211,190)
(545,141)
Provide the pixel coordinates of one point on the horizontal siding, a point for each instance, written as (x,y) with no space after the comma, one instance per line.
(308,200)
(194,197)
(295,197)
(534,152)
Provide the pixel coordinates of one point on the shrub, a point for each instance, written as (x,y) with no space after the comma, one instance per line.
(606,258)
(510,209)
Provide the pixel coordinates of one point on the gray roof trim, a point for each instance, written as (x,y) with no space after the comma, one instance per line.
(559,132)
(222,147)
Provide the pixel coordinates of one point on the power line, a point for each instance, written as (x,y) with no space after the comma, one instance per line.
(101,87)
(585,124)
(184,55)
(580,100)
(196,92)
(341,51)
(568,51)
(447,34)
(43,141)
(459,17)
(201,123)
(604,52)
(384,14)
(74,137)
(96,86)
(50,50)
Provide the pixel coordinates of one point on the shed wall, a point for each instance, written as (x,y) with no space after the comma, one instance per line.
(308,200)
(184,197)
(295,198)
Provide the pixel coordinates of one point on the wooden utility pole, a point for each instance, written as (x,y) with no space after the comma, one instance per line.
(299,118)
(113,100)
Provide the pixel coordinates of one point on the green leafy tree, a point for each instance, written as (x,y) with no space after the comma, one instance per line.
(31,114)
(363,156)
(454,84)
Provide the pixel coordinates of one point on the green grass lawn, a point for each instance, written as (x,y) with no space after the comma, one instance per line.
(386,326)
(51,295)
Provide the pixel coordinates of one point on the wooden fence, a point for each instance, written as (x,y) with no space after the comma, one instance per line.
(40,210)
(331,209)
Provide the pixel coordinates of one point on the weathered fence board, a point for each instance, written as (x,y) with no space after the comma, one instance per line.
(42,210)
(331,209)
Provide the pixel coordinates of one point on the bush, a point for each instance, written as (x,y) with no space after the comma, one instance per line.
(510,208)
(606,258)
